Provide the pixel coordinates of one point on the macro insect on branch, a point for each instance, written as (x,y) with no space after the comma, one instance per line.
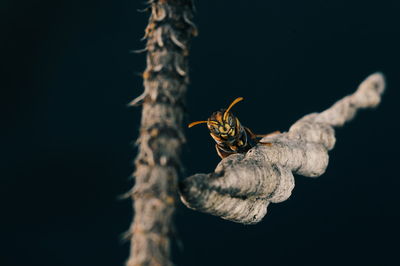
(244,183)
(255,170)
(230,136)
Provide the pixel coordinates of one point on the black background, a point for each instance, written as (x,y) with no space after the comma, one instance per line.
(67,136)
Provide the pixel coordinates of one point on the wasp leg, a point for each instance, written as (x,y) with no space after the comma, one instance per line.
(269,134)
(221,153)
(264,143)
(255,137)
(252,135)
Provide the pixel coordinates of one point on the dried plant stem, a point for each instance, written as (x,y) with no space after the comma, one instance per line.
(243,185)
(161,136)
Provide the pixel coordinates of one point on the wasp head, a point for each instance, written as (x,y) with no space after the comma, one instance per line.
(223,125)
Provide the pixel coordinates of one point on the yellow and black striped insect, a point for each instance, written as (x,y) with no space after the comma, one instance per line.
(230,136)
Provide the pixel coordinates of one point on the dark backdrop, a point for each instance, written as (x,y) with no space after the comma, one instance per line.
(67,136)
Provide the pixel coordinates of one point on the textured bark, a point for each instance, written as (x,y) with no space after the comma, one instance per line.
(243,185)
(161,136)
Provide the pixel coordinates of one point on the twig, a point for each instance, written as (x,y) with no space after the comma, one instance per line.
(161,136)
(243,185)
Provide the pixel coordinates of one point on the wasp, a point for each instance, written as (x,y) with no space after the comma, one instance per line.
(229,134)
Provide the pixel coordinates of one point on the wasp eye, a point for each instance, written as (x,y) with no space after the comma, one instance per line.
(231,121)
(215,130)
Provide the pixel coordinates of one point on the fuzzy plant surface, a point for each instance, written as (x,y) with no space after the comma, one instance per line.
(158,162)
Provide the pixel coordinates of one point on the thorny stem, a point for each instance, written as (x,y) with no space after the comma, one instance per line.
(158,163)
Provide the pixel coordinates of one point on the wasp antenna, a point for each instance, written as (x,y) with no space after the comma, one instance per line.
(231,105)
(196,123)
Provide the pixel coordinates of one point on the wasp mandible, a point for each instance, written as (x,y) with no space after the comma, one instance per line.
(231,136)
